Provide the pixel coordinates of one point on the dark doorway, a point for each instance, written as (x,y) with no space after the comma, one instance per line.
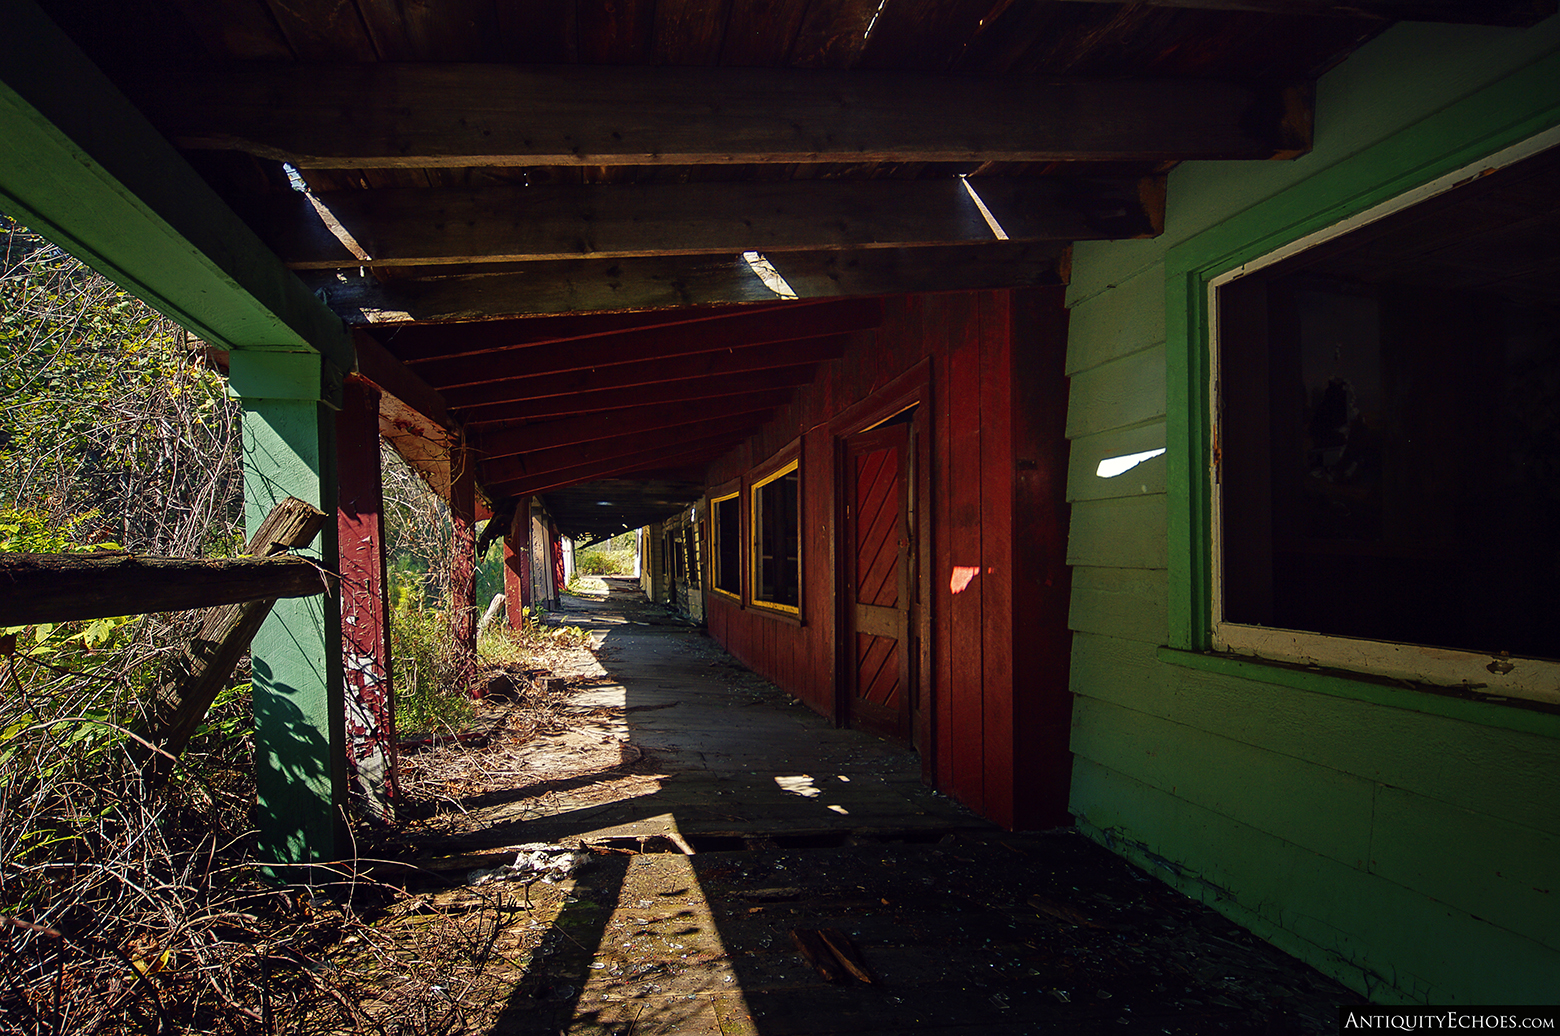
(877,542)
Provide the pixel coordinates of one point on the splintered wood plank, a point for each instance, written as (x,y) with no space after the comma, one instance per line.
(590,286)
(431,115)
(509,223)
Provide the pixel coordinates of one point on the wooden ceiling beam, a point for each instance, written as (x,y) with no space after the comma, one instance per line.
(652,372)
(511,414)
(1516,13)
(418,343)
(393,378)
(600,286)
(421,116)
(622,464)
(512,223)
(569,431)
(735,331)
(561,458)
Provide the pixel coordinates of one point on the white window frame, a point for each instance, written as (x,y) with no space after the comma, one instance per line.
(1528,678)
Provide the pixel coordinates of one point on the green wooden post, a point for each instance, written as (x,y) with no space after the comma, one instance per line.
(300,764)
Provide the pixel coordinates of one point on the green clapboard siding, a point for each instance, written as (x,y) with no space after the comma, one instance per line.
(1125,391)
(1119,602)
(1405,842)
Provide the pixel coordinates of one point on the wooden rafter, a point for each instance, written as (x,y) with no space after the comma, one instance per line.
(1462,12)
(599,286)
(652,372)
(752,408)
(733,331)
(509,414)
(689,452)
(409,116)
(393,378)
(424,227)
(562,458)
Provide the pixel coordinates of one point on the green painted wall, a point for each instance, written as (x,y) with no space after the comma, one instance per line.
(1407,843)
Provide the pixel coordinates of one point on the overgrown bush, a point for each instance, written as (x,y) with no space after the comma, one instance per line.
(595,561)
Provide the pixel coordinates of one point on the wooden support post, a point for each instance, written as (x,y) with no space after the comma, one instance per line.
(463,604)
(555,546)
(365,606)
(517,563)
(300,755)
(205,663)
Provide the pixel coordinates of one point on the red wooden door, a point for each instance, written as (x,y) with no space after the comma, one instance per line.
(878,594)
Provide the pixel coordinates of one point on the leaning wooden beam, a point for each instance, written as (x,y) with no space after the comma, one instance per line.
(392,378)
(409,116)
(511,223)
(61,587)
(660,282)
(203,666)
(734,331)
(1519,13)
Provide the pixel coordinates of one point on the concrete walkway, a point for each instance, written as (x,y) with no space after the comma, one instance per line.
(725,821)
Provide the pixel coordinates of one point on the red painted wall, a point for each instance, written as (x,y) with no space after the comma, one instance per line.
(995,458)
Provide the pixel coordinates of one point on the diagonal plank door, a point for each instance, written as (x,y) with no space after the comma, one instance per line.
(877,604)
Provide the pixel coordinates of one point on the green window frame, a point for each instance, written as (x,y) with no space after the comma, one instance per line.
(1501,124)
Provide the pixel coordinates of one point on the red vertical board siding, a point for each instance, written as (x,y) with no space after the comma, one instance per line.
(365,606)
(942,565)
(517,564)
(1043,701)
(966,549)
(997,552)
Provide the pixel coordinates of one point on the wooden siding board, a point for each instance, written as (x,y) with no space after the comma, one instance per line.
(1360,928)
(942,554)
(1120,392)
(1125,672)
(1124,533)
(1147,478)
(1119,323)
(1119,602)
(1324,810)
(997,556)
(963,488)
(1504,872)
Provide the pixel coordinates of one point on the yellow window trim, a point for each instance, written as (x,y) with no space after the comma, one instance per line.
(755,554)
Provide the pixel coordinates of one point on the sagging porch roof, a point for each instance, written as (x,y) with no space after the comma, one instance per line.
(550,222)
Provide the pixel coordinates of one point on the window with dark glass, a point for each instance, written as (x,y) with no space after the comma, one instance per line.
(1388,443)
(777,575)
(726,551)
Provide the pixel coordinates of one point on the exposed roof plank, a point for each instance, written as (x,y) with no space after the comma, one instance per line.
(658,282)
(570,431)
(560,458)
(390,115)
(735,331)
(509,413)
(412,227)
(652,372)
(621,464)
(1462,12)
